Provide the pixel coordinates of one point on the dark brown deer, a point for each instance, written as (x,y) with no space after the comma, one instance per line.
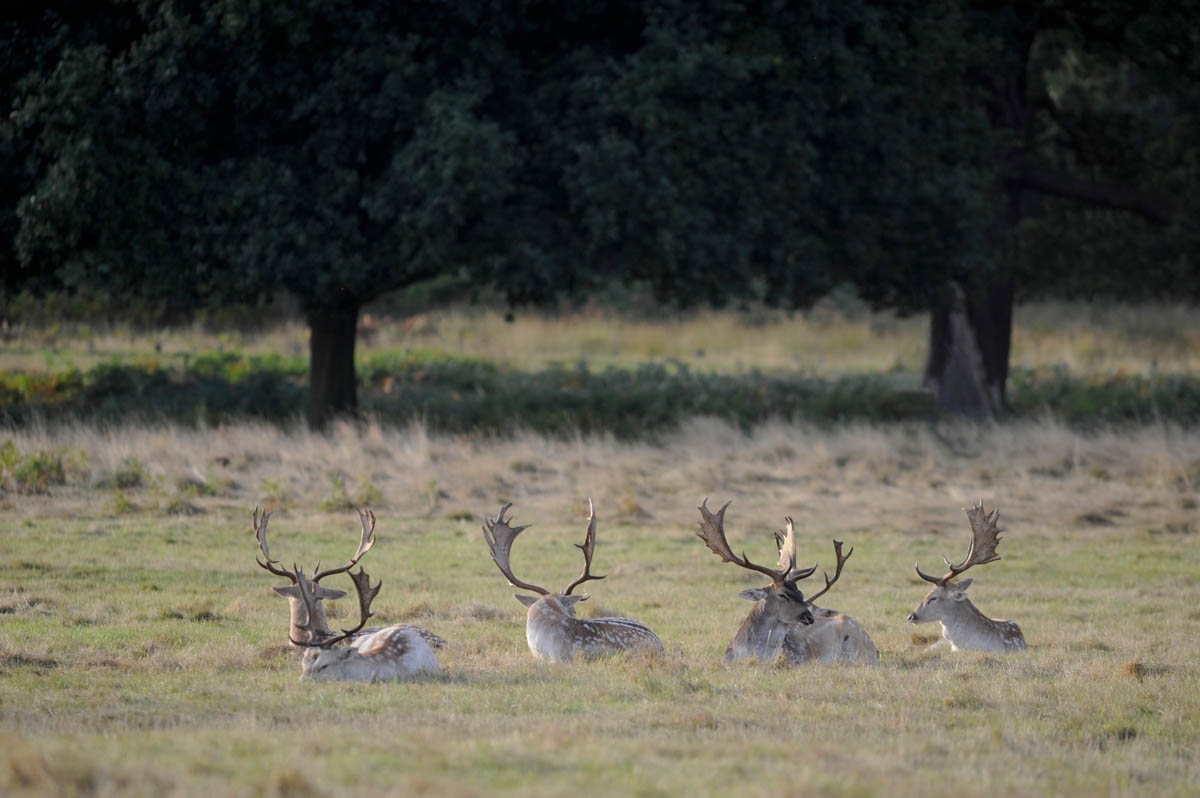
(964,626)
(394,652)
(551,628)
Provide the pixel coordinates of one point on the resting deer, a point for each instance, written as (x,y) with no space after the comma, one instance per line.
(394,652)
(833,636)
(783,626)
(308,614)
(963,626)
(551,628)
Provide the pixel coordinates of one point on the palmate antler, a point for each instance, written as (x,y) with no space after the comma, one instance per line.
(366,542)
(985,536)
(366,594)
(500,536)
(712,532)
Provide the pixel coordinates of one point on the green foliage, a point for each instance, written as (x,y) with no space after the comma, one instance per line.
(461,394)
(338,498)
(35,471)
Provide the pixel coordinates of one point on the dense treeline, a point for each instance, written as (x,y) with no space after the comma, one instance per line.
(196,154)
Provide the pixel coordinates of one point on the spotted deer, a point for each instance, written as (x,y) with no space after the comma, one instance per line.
(391,653)
(308,614)
(783,626)
(964,626)
(551,628)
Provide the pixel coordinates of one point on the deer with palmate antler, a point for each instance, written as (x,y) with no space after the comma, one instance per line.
(551,628)
(305,594)
(964,626)
(394,652)
(783,626)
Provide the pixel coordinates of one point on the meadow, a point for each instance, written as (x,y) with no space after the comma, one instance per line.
(143,652)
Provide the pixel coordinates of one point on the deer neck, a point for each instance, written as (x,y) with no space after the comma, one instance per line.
(966,625)
(760,636)
(320,624)
(551,630)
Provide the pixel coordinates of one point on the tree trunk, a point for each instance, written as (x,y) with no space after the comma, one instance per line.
(333,384)
(970,336)
(970,326)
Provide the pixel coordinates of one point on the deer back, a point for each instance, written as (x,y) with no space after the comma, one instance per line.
(395,652)
(553,631)
(832,637)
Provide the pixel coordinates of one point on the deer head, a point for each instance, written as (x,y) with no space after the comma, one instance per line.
(500,535)
(321,659)
(985,536)
(783,603)
(309,615)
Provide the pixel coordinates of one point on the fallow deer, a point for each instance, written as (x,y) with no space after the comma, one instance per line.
(783,626)
(551,628)
(832,636)
(308,614)
(964,626)
(394,652)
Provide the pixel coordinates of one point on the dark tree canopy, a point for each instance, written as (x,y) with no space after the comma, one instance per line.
(199,154)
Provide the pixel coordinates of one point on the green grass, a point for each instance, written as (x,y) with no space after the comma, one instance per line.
(460,371)
(144,653)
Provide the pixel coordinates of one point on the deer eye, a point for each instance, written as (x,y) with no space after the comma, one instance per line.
(932,599)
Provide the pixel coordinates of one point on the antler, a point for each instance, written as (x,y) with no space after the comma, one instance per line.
(366,594)
(588,546)
(841,561)
(985,536)
(260,532)
(712,532)
(500,536)
(367,519)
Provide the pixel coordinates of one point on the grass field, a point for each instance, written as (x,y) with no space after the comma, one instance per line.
(830,340)
(142,651)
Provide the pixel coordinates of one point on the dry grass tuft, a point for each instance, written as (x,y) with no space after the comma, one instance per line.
(1139,670)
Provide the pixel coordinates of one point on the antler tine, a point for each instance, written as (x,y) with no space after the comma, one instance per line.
(366,542)
(588,547)
(787,554)
(500,536)
(712,532)
(841,561)
(366,595)
(260,532)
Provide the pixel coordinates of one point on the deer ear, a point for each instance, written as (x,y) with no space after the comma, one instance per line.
(287,591)
(329,593)
(528,601)
(754,594)
(960,591)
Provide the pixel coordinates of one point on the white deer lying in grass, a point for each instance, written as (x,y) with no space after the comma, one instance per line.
(551,628)
(367,654)
(964,626)
(394,652)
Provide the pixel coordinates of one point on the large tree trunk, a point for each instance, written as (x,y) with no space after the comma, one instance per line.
(333,384)
(970,329)
(970,334)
